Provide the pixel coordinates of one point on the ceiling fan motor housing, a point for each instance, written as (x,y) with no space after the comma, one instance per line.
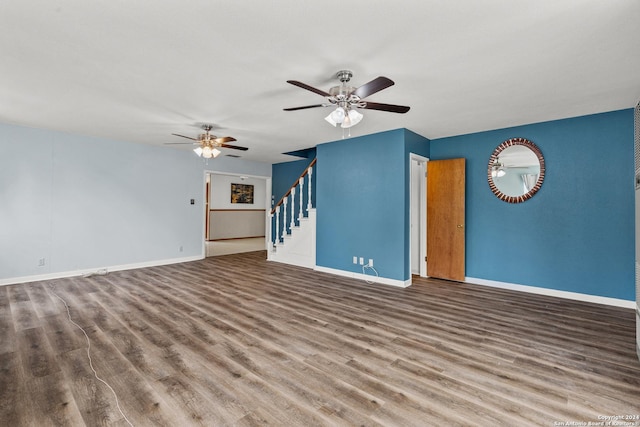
(344,75)
(341,90)
(343,95)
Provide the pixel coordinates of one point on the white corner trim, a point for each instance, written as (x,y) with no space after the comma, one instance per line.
(553,292)
(63,274)
(366,277)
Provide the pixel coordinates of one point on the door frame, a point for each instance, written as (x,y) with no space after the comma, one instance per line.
(422,206)
(267,207)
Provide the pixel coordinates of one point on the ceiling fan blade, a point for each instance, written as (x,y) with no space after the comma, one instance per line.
(375,85)
(180,143)
(224,139)
(182,136)
(235,147)
(307,87)
(305,107)
(386,107)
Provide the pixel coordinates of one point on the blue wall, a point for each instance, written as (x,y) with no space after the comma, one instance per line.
(284,175)
(362,201)
(577,233)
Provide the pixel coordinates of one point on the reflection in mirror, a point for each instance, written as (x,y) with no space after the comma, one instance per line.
(516,170)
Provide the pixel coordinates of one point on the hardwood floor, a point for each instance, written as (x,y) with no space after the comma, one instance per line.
(236,340)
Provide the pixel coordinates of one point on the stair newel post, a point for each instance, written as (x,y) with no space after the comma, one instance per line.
(284,217)
(300,213)
(309,188)
(277,233)
(293,208)
(271,220)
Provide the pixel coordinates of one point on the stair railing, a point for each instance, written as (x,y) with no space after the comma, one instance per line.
(289,207)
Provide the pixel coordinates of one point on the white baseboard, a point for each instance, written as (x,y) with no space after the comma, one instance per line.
(292,260)
(354,275)
(366,277)
(63,274)
(553,292)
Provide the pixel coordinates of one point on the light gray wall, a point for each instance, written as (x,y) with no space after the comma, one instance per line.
(221,192)
(236,220)
(83,203)
(236,224)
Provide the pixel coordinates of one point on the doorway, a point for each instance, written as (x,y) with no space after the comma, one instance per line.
(418,215)
(234,224)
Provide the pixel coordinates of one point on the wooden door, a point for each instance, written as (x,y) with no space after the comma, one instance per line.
(445,219)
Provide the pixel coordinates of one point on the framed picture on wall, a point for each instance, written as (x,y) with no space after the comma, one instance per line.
(242,193)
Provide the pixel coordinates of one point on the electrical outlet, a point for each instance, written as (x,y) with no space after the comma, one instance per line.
(361,261)
(370,262)
(181,249)
(355,259)
(41,262)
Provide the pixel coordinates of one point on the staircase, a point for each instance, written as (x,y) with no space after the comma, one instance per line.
(293,224)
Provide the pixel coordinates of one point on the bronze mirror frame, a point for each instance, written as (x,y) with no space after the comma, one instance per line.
(494,160)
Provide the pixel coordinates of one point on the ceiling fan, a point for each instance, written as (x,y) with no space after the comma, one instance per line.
(207,144)
(347,98)
(498,169)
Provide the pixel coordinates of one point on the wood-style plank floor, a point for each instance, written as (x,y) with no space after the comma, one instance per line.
(237,340)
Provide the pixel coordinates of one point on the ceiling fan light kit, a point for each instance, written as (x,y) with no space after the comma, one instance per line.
(497,170)
(336,116)
(208,145)
(352,119)
(347,99)
(207,152)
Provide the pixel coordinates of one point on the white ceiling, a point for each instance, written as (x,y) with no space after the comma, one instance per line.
(141,70)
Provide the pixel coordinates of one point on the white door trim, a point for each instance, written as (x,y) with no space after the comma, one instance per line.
(267,207)
(422,163)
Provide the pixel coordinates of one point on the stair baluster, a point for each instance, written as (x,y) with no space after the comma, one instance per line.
(271,221)
(293,207)
(284,219)
(309,189)
(300,210)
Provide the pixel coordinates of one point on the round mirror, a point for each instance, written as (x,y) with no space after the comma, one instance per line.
(516,170)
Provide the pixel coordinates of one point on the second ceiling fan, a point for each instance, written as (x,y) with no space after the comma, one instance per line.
(347,99)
